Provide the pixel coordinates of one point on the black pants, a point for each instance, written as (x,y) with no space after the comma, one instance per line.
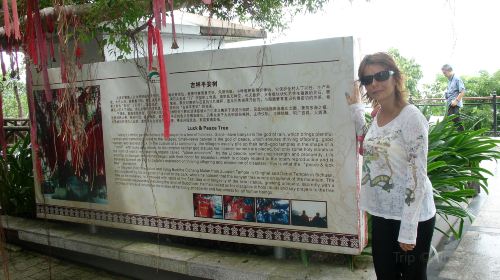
(456,111)
(390,261)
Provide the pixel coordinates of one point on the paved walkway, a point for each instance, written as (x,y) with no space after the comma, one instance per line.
(25,264)
(477,255)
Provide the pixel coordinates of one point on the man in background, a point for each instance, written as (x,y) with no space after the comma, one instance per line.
(454,94)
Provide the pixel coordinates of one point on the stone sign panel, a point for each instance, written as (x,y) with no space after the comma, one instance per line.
(262,148)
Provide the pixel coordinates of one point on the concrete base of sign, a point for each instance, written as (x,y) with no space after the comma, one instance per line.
(140,256)
(139,249)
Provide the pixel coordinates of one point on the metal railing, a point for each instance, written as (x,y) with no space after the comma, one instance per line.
(467,101)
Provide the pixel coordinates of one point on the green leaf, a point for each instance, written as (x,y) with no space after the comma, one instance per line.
(433,165)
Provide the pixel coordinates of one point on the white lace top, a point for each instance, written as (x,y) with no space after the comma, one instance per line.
(394,182)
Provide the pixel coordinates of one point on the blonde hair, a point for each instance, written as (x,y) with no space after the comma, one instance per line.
(385,60)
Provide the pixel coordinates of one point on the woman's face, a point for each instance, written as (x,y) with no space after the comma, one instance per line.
(379,90)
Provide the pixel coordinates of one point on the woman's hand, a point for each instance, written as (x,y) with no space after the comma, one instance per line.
(355,96)
(406,247)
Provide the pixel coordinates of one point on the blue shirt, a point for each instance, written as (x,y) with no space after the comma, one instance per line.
(455,87)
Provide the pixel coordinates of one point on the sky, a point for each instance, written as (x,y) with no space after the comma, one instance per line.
(463,33)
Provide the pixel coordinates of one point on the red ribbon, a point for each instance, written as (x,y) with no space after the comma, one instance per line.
(42,51)
(15,20)
(156,12)
(51,29)
(78,55)
(163,86)
(30,33)
(6,18)
(154,38)
(360,141)
(163,10)
(174,35)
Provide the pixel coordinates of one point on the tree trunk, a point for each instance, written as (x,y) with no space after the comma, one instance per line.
(20,113)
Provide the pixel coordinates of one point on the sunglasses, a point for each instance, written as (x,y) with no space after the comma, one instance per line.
(379,77)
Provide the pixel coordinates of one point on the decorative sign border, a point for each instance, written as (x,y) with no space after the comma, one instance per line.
(248,231)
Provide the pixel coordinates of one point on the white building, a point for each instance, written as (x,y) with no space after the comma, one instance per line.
(194,33)
(198,33)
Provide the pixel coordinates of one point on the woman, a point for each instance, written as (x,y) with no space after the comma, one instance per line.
(395,188)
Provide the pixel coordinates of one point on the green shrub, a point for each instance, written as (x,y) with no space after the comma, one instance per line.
(477,117)
(453,164)
(17,195)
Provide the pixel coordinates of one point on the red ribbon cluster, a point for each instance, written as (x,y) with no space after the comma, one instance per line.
(154,38)
(36,44)
(11,30)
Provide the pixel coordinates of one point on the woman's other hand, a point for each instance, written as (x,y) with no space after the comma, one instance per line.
(406,247)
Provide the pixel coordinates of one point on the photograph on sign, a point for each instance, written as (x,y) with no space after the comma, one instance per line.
(207,206)
(273,211)
(71,156)
(309,213)
(239,208)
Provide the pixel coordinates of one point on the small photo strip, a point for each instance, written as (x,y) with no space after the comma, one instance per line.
(239,208)
(207,205)
(273,211)
(309,213)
